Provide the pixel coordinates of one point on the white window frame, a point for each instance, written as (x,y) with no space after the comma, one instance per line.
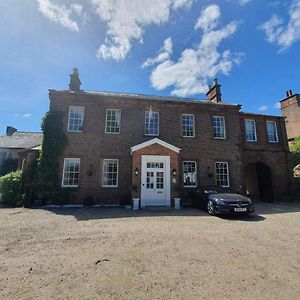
(255,134)
(182,131)
(228,174)
(196,183)
(224,128)
(276,131)
(103,164)
(63,174)
(150,134)
(112,109)
(82,108)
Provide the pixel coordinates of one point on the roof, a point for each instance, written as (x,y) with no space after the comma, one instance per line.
(145,97)
(263,115)
(155,141)
(21,140)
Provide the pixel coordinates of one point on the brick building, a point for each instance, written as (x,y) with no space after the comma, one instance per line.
(290,109)
(156,148)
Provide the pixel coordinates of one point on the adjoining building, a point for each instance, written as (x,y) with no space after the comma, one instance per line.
(19,147)
(290,109)
(156,148)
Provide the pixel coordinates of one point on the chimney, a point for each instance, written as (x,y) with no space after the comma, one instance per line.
(214,92)
(289,93)
(10,130)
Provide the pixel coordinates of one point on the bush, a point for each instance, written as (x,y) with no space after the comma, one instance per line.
(11,189)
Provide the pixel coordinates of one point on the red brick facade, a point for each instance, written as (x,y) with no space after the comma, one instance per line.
(92,145)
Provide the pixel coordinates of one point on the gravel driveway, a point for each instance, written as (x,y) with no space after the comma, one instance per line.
(97,253)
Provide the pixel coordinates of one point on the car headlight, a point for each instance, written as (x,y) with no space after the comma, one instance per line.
(250,201)
(220,201)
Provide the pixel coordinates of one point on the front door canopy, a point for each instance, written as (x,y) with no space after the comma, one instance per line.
(155,141)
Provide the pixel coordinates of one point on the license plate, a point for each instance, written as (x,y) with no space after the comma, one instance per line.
(240,209)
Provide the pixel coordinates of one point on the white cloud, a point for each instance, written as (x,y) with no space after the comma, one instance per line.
(209,18)
(263,108)
(277,105)
(126,21)
(164,54)
(189,75)
(27,115)
(284,35)
(60,14)
(243,2)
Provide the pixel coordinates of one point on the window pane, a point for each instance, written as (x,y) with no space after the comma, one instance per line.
(187,125)
(250,130)
(272,131)
(71,172)
(113,120)
(110,173)
(189,174)
(151,123)
(219,127)
(222,174)
(76,115)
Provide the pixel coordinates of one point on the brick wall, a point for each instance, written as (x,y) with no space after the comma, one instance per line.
(92,145)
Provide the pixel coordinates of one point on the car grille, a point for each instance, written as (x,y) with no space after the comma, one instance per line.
(238,204)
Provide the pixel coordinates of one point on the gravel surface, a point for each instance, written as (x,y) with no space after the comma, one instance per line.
(97,253)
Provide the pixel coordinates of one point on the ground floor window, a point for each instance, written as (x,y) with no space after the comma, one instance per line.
(110,172)
(222,174)
(189,174)
(71,172)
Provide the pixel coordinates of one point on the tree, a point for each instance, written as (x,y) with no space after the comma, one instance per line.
(295,145)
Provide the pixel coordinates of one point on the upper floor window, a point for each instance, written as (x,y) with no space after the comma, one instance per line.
(71,172)
(113,120)
(222,174)
(250,131)
(189,174)
(76,116)
(188,125)
(151,123)
(272,132)
(110,173)
(219,127)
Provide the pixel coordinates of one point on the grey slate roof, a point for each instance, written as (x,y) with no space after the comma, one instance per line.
(21,140)
(143,96)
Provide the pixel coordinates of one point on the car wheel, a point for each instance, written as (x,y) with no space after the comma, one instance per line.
(210,207)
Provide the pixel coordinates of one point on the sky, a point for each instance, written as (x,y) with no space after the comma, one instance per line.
(157,47)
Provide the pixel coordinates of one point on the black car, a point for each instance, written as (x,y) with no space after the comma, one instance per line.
(217,200)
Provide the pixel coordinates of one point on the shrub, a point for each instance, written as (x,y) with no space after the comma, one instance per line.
(11,189)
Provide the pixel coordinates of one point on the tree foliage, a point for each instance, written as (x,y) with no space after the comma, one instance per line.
(53,146)
(295,145)
(11,189)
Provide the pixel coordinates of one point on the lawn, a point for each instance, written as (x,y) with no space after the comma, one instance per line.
(115,253)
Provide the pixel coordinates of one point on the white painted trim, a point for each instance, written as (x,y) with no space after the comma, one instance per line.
(196,171)
(220,138)
(63,174)
(194,129)
(228,174)
(115,109)
(83,111)
(254,122)
(155,141)
(158,123)
(276,131)
(110,186)
(167,171)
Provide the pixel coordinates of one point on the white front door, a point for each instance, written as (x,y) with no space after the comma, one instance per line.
(155,180)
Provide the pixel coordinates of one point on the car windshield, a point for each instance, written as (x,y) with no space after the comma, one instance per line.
(215,190)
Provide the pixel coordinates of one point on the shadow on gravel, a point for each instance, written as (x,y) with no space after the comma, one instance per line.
(93,213)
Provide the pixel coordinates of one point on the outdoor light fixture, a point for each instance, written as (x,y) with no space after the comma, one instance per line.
(136,171)
(174,172)
(209,172)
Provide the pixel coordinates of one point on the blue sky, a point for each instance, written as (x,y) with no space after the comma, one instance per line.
(159,47)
